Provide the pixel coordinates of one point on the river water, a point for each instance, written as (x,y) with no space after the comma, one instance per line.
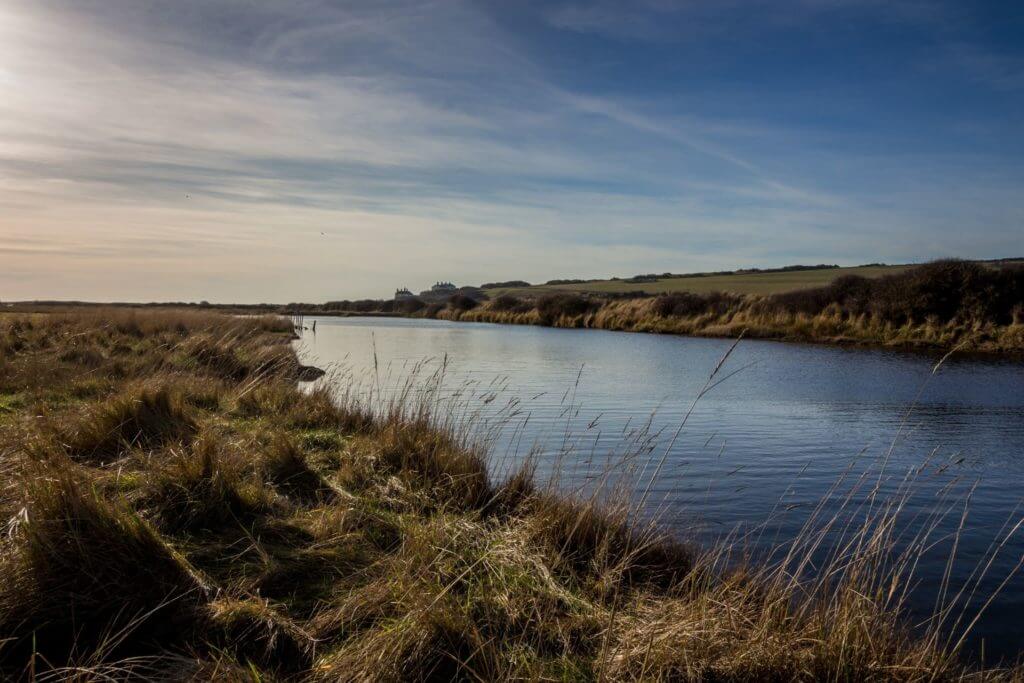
(780,425)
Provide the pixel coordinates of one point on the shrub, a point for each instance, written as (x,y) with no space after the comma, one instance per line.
(462,302)
(409,306)
(687,304)
(506,284)
(680,304)
(505,302)
(943,290)
(551,307)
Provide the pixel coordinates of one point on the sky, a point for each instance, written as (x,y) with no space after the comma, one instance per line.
(309,150)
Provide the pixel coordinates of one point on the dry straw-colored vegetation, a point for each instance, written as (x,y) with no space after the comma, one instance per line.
(177,509)
(943,304)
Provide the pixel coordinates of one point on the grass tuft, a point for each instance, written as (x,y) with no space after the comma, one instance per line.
(256,632)
(287,468)
(147,419)
(203,489)
(426,459)
(81,573)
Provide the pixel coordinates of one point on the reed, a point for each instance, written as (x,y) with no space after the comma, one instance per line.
(205,523)
(939,305)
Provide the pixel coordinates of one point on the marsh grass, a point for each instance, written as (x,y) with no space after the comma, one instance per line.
(187,520)
(942,305)
(146,420)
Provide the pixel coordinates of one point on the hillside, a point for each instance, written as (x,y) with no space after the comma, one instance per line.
(739,282)
(765,282)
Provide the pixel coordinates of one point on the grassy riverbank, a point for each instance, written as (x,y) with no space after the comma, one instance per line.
(940,305)
(968,305)
(179,510)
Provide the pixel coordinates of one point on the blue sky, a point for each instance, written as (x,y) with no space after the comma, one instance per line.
(247,150)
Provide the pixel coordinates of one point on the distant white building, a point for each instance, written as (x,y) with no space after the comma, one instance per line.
(443,287)
(403,293)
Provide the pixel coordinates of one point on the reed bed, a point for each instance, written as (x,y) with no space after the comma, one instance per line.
(179,509)
(831,326)
(940,305)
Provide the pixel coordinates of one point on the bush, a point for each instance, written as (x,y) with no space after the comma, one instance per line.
(360,306)
(462,302)
(409,306)
(507,284)
(551,307)
(680,304)
(943,290)
(688,304)
(506,302)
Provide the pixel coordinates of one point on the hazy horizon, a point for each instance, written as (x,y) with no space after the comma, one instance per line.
(237,151)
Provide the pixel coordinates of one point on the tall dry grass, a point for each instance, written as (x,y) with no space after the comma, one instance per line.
(178,513)
(939,305)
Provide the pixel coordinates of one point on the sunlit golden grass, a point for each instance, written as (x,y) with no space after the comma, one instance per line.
(938,305)
(181,513)
(750,316)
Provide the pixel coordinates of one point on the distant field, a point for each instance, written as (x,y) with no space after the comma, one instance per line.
(739,283)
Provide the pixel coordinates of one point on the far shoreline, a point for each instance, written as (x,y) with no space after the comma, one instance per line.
(918,349)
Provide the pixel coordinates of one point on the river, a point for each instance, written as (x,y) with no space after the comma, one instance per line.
(780,425)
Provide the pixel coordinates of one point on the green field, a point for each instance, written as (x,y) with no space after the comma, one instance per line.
(739,283)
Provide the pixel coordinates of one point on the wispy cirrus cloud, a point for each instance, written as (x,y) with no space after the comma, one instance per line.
(257,151)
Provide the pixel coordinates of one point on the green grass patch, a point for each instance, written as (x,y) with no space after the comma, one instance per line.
(321,440)
(736,283)
(10,403)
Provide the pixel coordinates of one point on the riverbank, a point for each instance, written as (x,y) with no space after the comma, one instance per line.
(830,327)
(179,508)
(974,307)
(940,305)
